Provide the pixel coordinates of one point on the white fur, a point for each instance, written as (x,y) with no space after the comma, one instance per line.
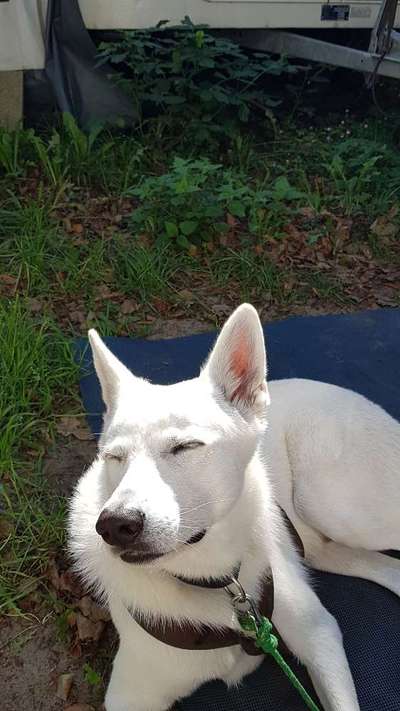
(335,468)
(332,464)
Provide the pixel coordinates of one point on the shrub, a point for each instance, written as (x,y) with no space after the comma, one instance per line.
(206,82)
(190,202)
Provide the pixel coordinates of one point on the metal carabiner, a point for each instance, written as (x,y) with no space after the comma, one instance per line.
(242,602)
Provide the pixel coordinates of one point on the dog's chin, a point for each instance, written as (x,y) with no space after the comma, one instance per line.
(143,557)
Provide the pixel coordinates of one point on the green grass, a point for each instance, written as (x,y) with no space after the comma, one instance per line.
(255,276)
(146,272)
(37,375)
(26,246)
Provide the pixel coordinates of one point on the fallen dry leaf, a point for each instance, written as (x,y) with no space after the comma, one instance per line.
(78,316)
(87,629)
(221,309)
(6,528)
(294,232)
(343,228)
(71,619)
(383,227)
(91,609)
(128,307)
(53,575)
(31,602)
(307,212)
(76,650)
(144,240)
(64,685)
(68,582)
(74,426)
(160,305)
(35,305)
(105,292)
(28,585)
(8,279)
(79,707)
(187,296)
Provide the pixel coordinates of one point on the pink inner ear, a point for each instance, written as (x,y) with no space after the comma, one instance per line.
(240,367)
(240,361)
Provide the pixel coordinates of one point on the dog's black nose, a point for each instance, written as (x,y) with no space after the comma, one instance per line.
(120,529)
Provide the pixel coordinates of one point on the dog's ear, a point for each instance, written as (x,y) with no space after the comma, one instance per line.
(237,365)
(111,373)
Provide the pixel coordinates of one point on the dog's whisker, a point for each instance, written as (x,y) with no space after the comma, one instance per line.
(206,503)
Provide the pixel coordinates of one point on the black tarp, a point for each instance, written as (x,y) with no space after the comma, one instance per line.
(71,80)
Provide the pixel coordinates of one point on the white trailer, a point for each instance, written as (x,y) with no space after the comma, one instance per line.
(278,26)
(22,22)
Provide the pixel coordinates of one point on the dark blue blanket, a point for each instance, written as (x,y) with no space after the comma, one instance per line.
(359,351)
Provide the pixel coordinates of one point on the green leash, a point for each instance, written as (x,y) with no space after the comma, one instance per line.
(260,629)
(268,643)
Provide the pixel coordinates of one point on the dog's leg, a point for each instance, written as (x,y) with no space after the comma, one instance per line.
(332,557)
(135,688)
(336,558)
(347,559)
(313,635)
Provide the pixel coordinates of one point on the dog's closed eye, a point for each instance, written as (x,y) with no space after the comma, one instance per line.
(184,446)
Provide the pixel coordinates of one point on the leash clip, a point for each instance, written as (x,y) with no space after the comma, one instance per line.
(242,603)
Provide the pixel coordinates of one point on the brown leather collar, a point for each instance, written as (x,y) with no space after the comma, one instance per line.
(188,635)
(211,583)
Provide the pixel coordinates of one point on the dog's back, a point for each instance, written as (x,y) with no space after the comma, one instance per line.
(340,452)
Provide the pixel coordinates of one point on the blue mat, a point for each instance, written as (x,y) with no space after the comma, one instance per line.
(359,351)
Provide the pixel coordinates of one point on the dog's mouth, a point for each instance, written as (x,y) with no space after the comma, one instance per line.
(142,557)
(139,558)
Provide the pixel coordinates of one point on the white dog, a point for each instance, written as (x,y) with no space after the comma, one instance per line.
(184,495)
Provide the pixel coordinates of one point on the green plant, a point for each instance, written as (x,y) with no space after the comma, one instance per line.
(356,170)
(180,204)
(62,620)
(14,151)
(71,153)
(352,180)
(205,83)
(91,676)
(203,193)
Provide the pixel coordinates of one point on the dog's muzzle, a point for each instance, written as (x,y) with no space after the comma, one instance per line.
(123,530)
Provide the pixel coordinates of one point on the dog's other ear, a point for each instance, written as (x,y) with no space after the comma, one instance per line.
(237,365)
(110,371)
